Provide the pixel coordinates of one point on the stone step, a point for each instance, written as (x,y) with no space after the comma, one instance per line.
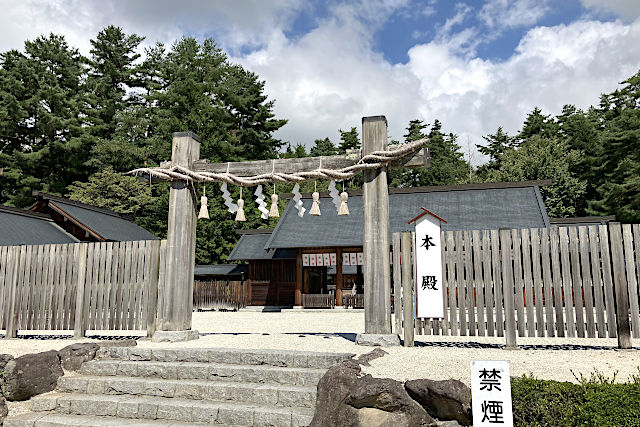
(283,358)
(204,371)
(267,394)
(171,409)
(65,420)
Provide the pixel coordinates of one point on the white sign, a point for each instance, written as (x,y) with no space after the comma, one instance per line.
(333,259)
(428,267)
(491,393)
(345,259)
(305,260)
(327,260)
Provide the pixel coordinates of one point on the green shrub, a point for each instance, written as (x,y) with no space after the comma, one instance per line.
(594,401)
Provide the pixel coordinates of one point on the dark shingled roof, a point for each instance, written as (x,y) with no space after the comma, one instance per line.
(464,207)
(221,270)
(252,247)
(19,227)
(107,224)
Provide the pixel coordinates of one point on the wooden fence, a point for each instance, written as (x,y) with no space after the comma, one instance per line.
(318,300)
(557,282)
(79,286)
(220,294)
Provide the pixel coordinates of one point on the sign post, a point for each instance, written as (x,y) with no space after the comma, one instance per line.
(491,393)
(427,249)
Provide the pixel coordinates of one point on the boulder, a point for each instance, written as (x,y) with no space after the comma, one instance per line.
(389,396)
(74,355)
(31,374)
(448,400)
(346,399)
(3,409)
(4,359)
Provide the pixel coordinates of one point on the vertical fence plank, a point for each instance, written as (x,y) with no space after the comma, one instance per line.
(566,282)
(596,276)
(81,262)
(39,316)
(539,300)
(115,280)
(632,281)
(507,288)
(468,278)
(451,284)
(497,281)
(407,288)
(462,300)
(576,281)
(106,297)
(587,282)
(11,282)
(66,251)
(487,282)
(72,274)
(518,283)
(98,292)
(143,259)
(162,278)
(636,239)
(58,287)
(25,292)
(3,284)
(152,289)
(125,285)
(528,283)
(34,294)
(478,282)
(607,278)
(397,288)
(621,288)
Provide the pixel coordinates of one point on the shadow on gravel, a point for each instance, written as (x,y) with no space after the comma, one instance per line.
(67,337)
(563,347)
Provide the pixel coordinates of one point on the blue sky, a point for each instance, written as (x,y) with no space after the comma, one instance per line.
(474,65)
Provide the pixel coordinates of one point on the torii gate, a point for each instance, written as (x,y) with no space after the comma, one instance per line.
(175,313)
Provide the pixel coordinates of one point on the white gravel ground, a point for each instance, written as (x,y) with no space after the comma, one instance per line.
(435,357)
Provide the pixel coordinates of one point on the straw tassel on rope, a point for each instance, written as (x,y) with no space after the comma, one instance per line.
(204,212)
(344,209)
(240,212)
(274,213)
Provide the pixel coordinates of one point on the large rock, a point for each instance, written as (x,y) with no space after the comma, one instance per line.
(346,399)
(31,374)
(445,400)
(74,355)
(4,359)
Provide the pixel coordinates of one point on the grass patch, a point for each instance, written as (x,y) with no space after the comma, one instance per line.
(595,401)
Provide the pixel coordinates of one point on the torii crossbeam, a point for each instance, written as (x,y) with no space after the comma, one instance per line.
(176,295)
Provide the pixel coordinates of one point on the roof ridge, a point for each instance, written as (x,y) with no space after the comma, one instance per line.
(81,205)
(23,212)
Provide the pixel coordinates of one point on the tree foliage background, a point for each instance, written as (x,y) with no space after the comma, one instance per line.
(72,125)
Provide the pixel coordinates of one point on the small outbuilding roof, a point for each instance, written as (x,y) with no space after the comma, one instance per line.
(227,270)
(251,246)
(101,224)
(20,227)
(466,207)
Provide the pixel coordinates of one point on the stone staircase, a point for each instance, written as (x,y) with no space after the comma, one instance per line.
(181,387)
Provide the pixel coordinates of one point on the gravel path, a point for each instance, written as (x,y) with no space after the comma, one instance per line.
(434,357)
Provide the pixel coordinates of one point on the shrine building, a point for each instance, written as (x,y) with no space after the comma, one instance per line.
(316,261)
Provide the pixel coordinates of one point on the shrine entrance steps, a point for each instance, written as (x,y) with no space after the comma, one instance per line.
(170,387)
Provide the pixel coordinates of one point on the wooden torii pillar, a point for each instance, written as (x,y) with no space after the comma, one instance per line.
(175,305)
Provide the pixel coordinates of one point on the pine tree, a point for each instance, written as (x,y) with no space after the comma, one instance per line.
(323,147)
(619,162)
(537,123)
(497,145)
(348,140)
(43,143)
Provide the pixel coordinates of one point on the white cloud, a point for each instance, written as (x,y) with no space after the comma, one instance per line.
(513,13)
(628,10)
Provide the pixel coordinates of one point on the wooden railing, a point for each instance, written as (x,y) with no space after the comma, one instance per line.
(220,294)
(318,300)
(79,286)
(353,301)
(560,282)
